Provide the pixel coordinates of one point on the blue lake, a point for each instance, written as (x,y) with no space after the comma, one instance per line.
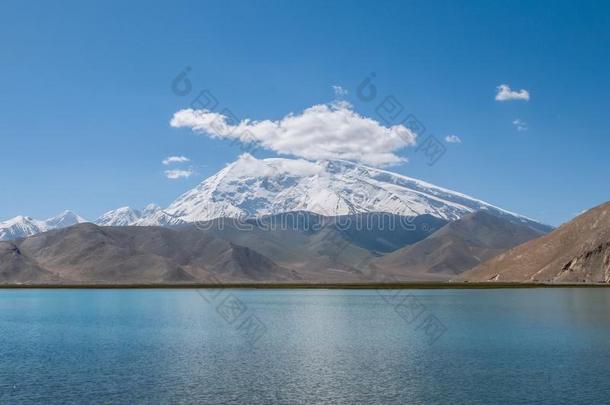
(545,346)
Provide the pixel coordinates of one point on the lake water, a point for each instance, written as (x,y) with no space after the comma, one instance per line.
(305,346)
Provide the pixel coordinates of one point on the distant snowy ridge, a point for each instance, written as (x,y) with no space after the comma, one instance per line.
(21,226)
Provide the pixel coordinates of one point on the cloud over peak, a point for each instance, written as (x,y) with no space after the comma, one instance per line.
(320,132)
(505,93)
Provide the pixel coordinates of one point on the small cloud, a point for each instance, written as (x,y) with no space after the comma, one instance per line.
(175,159)
(520,125)
(340,92)
(453,139)
(178,174)
(505,93)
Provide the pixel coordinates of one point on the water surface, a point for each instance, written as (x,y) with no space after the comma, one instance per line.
(305,346)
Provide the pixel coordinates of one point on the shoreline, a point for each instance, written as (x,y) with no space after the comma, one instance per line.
(305,286)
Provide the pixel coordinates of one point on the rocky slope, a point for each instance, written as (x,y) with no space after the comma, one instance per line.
(576,252)
(16,268)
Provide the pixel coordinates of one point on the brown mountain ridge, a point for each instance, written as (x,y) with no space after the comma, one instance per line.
(576,252)
(456,247)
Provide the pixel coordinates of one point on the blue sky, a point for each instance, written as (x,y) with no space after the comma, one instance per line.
(86,99)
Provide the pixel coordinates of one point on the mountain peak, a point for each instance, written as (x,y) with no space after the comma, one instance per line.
(151,215)
(23,226)
(122,216)
(64,219)
(251,187)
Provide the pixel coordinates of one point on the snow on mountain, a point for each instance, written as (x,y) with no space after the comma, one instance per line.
(158,218)
(21,226)
(123,216)
(152,215)
(64,220)
(150,209)
(251,187)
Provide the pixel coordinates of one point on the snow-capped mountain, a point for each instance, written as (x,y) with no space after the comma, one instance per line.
(150,209)
(151,215)
(123,216)
(21,226)
(158,217)
(63,220)
(251,187)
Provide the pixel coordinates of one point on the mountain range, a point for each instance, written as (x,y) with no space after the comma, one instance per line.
(251,188)
(458,246)
(292,247)
(303,247)
(87,253)
(294,221)
(21,226)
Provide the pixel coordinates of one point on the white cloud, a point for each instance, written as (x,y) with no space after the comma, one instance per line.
(520,125)
(453,139)
(318,133)
(506,94)
(175,159)
(178,174)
